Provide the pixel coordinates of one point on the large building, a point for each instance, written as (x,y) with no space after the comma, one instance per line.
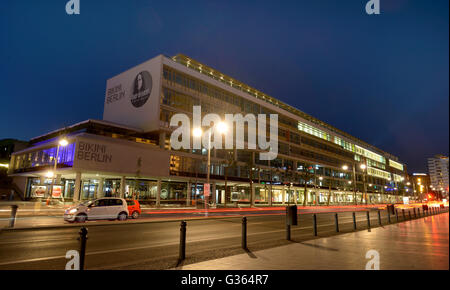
(129,152)
(438,171)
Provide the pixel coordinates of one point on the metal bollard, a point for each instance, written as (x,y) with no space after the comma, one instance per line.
(354,221)
(389,216)
(12,219)
(182,254)
(83,238)
(403,213)
(337,222)
(409,214)
(418,212)
(244,233)
(396,215)
(368,220)
(315,224)
(379,218)
(414,209)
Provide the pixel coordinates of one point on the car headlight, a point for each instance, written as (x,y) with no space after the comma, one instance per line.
(73,210)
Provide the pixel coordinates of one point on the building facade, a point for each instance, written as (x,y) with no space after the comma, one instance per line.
(129,152)
(438,171)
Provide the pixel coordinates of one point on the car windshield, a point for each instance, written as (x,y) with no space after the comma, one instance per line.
(87,202)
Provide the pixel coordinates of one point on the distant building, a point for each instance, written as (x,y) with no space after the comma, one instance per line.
(420,184)
(438,170)
(8,146)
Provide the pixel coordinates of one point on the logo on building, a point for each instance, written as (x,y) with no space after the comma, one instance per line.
(142,87)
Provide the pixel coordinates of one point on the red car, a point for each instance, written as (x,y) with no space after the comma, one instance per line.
(134,208)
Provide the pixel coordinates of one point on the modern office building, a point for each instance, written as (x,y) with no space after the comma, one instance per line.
(129,152)
(438,171)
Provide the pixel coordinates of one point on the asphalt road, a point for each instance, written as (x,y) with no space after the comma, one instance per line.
(155,245)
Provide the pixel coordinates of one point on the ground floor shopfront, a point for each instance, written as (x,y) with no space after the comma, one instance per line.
(79,186)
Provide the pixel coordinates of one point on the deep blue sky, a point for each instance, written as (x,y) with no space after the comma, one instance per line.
(382,78)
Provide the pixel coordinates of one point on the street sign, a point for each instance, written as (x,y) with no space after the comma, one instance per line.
(206,189)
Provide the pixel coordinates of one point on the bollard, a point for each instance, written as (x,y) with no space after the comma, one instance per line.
(418,212)
(403,213)
(315,224)
(182,254)
(83,238)
(354,221)
(337,222)
(368,220)
(389,216)
(414,209)
(409,214)
(379,218)
(396,215)
(244,233)
(12,219)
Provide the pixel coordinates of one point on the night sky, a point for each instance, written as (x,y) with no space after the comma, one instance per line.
(382,78)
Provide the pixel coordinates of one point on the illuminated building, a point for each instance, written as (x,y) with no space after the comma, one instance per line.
(129,151)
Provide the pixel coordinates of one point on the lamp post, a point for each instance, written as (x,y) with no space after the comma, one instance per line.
(345,167)
(197,132)
(63,143)
(364,167)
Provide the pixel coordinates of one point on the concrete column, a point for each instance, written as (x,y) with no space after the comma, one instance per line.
(270,195)
(77,189)
(100,188)
(158,194)
(162,140)
(188,193)
(122,186)
(213,193)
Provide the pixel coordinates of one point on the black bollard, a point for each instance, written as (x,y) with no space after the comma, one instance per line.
(12,219)
(83,238)
(418,212)
(315,224)
(414,209)
(403,213)
(337,222)
(389,216)
(368,220)
(354,221)
(182,254)
(379,218)
(244,233)
(396,215)
(409,214)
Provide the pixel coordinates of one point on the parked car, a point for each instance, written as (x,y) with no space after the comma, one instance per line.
(103,208)
(134,208)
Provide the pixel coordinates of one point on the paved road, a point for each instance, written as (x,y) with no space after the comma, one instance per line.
(54,217)
(155,245)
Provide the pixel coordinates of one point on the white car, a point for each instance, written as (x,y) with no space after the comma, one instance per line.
(102,208)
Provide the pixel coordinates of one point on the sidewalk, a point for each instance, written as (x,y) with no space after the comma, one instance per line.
(421,244)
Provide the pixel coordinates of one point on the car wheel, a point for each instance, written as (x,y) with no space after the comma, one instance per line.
(81,218)
(122,216)
(135,214)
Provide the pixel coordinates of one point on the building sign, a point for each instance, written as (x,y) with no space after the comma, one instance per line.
(93,152)
(142,87)
(57,190)
(206,189)
(38,190)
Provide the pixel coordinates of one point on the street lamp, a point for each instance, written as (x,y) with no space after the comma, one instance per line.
(197,132)
(63,142)
(345,167)
(364,167)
